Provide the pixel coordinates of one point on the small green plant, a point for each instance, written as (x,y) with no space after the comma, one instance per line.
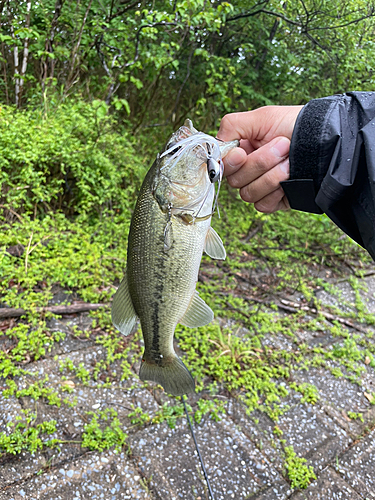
(309,392)
(354,416)
(213,408)
(170,413)
(138,416)
(277,431)
(26,436)
(36,390)
(299,474)
(97,435)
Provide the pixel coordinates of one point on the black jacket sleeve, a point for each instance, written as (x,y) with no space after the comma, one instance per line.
(332,163)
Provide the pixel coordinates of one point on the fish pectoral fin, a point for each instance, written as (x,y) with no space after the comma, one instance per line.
(213,245)
(198,313)
(168,237)
(124,316)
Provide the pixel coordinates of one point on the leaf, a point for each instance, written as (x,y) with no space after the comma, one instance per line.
(68,384)
(370,397)
(346,416)
(125,104)
(136,82)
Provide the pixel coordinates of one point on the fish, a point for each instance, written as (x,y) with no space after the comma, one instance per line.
(169,231)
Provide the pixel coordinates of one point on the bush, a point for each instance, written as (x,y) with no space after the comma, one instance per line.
(73,159)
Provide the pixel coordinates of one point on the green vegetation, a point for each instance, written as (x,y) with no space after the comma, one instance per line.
(299,474)
(170,413)
(188,56)
(98,88)
(95,437)
(26,436)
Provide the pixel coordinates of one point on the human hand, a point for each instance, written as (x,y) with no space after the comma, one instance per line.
(261,162)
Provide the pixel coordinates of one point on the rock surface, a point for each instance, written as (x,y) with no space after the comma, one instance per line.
(241,454)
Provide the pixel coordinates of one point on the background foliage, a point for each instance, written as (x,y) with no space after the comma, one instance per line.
(157,61)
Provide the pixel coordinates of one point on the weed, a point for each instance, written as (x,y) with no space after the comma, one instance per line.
(99,436)
(138,416)
(209,407)
(26,436)
(309,392)
(299,474)
(354,416)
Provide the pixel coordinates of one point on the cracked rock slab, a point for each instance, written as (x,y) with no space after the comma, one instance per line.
(358,466)
(94,476)
(10,408)
(236,469)
(21,467)
(313,434)
(334,391)
(345,297)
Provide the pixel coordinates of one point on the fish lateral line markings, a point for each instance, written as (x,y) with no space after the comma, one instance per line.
(197,448)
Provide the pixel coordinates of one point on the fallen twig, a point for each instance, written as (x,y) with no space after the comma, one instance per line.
(71,309)
(292,307)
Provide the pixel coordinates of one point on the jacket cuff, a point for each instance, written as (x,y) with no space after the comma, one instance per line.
(308,155)
(301,195)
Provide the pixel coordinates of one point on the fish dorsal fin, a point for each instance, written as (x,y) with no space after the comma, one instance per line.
(213,245)
(123,313)
(189,124)
(198,313)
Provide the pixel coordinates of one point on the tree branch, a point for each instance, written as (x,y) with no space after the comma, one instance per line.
(122,11)
(25,52)
(72,309)
(48,46)
(136,55)
(355,21)
(301,25)
(76,47)
(264,11)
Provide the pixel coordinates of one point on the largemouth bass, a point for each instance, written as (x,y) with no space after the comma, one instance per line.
(170,229)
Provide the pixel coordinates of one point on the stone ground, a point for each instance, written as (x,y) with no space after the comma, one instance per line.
(241,457)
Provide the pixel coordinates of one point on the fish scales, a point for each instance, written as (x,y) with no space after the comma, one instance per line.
(169,231)
(161,283)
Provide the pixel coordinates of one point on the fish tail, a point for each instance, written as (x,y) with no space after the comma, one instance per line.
(173,376)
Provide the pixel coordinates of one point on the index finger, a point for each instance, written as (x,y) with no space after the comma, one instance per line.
(235,126)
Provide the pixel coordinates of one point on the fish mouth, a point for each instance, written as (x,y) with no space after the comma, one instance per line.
(192,164)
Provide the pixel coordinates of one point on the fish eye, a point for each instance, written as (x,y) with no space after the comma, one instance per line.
(174,147)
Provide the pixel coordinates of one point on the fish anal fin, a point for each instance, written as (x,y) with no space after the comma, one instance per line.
(213,246)
(198,313)
(124,316)
(173,376)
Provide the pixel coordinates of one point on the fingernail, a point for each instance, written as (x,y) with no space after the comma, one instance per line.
(281,147)
(284,166)
(235,158)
